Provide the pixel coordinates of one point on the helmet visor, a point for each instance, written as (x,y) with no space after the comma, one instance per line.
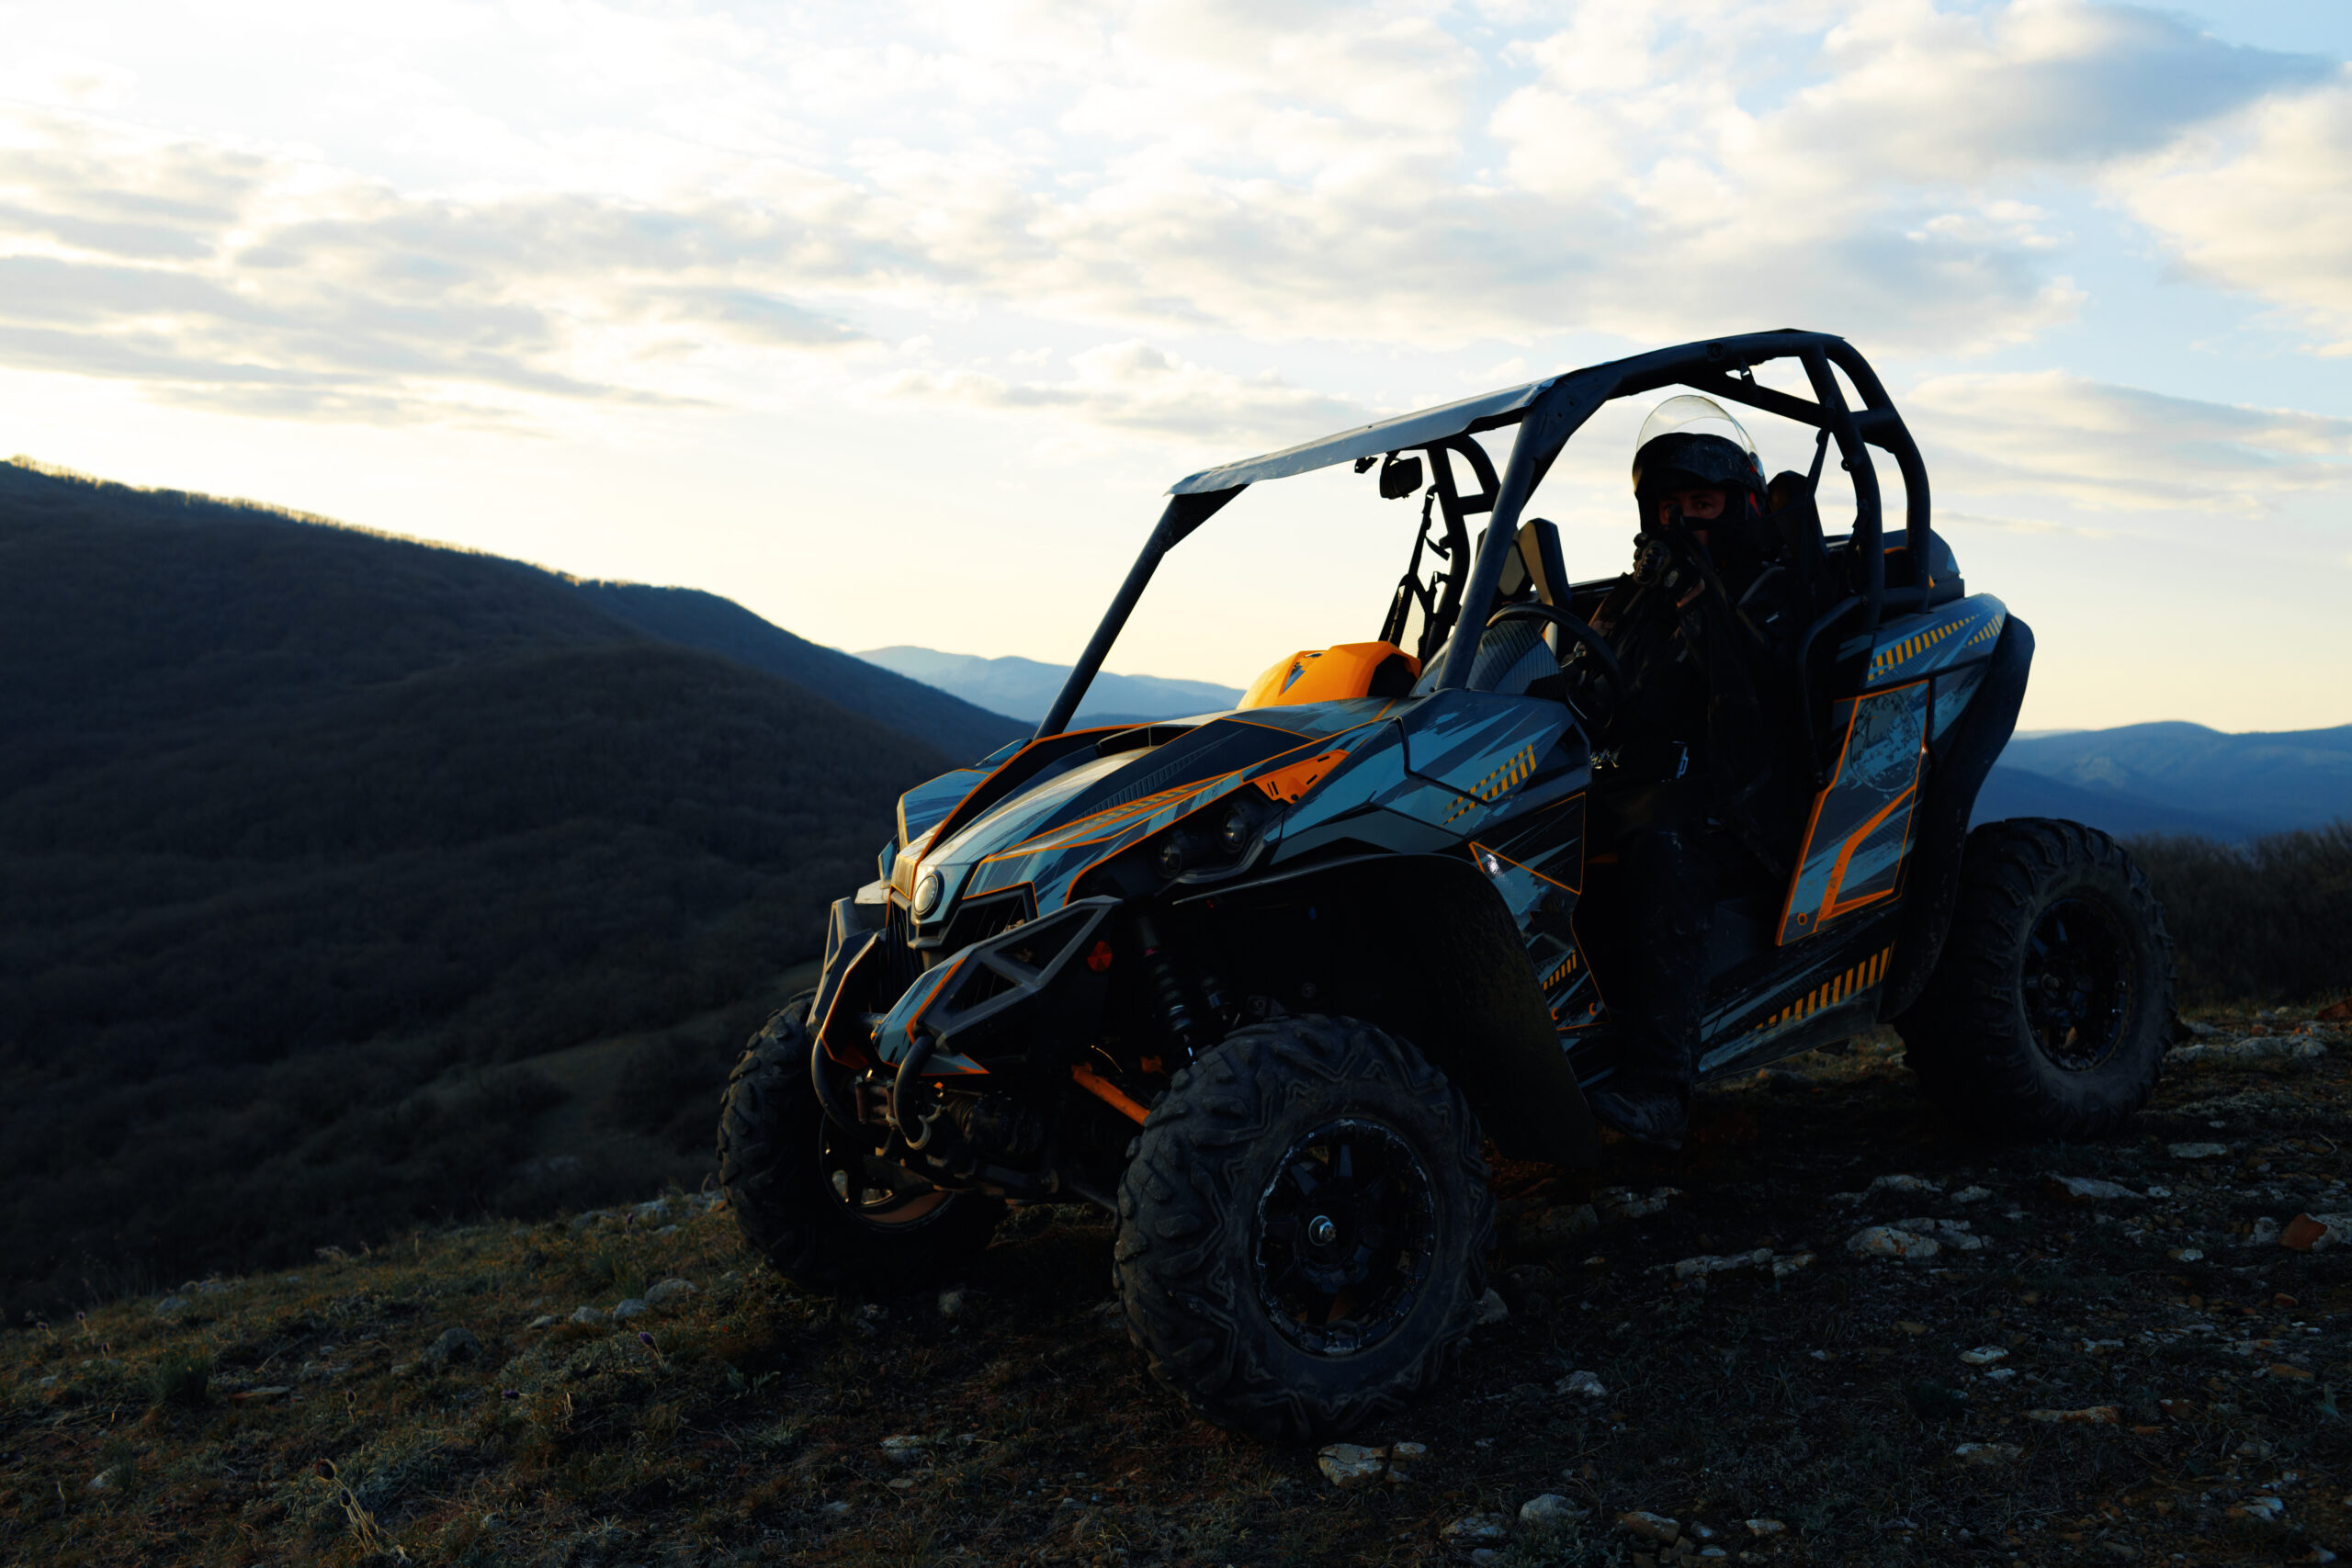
(1691,414)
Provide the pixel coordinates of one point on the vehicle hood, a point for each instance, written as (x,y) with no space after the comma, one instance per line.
(1034,821)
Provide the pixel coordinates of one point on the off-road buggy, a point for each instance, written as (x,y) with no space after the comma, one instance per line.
(1260,983)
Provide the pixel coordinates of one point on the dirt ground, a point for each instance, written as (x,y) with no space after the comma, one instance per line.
(2141,1373)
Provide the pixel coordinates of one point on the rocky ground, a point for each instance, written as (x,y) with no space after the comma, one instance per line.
(1828,1332)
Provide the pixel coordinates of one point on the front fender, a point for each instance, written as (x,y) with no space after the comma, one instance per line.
(1422,945)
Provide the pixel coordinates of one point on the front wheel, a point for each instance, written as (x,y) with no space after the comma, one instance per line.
(812,1197)
(1303,1228)
(2049,1010)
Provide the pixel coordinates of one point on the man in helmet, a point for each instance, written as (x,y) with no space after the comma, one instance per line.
(1681,781)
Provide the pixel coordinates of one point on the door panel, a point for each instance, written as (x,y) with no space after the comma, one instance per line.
(1861,827)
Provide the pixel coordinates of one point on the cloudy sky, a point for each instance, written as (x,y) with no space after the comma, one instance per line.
(892,320)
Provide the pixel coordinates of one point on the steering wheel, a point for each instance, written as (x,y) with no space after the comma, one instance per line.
(1582,632)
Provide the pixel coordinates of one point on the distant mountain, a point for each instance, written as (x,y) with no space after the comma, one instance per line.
(297,819)
(873,687)
(1026,688)
(2014,792)
(2175,777)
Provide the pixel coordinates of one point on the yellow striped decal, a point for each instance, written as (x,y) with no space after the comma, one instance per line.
(1497,784)
(1556,975)
(1909,647)
(1986,633)
(1860,977)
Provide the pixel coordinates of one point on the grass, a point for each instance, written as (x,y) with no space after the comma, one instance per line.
(293,1417)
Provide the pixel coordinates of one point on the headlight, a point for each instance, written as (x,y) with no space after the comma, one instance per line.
(1170,857)
(927,894)
(1235,831)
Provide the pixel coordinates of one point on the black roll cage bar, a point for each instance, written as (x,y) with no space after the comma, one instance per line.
(1548,412)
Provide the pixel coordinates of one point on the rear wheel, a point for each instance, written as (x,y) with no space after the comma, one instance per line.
(1303,1228)
(2049,1011)
(812,1197)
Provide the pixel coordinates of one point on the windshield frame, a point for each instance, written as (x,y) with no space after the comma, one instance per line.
(1547,413)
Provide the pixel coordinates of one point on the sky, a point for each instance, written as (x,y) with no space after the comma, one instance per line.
(892,322)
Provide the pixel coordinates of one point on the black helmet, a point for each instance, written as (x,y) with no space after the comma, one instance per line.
(1689,443)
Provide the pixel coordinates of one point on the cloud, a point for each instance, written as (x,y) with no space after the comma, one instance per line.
(1132,386)
(2263,204)
(730,190)
(2108,447)
(269,284)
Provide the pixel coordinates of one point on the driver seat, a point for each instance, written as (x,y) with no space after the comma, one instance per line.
(1516,654)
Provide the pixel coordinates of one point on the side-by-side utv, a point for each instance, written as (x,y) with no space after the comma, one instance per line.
(1262,982)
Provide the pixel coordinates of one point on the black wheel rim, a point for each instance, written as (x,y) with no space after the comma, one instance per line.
(2076,985)
(1345,1236)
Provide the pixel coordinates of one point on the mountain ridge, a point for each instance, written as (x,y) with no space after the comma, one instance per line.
(1025,688)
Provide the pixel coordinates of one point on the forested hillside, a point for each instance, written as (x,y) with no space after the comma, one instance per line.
(297,820)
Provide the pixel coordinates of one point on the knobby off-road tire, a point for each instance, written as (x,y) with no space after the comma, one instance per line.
(1222,1260)
(805,1195)
(2051,1006)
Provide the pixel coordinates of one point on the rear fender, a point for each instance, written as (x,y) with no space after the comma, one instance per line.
(1422,945)
(1956,771)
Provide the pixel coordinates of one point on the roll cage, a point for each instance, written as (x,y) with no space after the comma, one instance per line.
(1548,412)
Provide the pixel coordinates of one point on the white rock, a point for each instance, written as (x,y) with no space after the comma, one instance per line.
(1886,1241)
(2252,1048)
(2265,1508)
(1984,1356)
(1999,1374)
(2197,1151)
(1651,1527)
(2187,1253)
(1584,1385)
(544,1320)
(2264,1232)
(1972,1195)
(836,1508)
(1402,1456)
(1482,1555)
(905,1449)
(1789,1263)
(1988,1453)
(103,1481)
(2085,1188)
(1698,1268)
(633,1307)
(659,1208)
(588,1314)
(1351,1464)
(169,1305)
(1492,1308)
(1476,1528)
(1765,1526)
(1548,1511)
(1900,1183)
(669,1290)
(954,1301)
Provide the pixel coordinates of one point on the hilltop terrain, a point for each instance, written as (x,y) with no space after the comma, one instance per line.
(2094,1354)
(312,839)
